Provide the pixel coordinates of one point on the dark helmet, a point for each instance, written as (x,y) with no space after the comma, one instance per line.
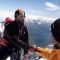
(18,12)
(55,29)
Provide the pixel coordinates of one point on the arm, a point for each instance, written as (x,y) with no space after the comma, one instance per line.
(45,53)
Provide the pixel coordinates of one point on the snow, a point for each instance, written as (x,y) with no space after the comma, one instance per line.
(40,19)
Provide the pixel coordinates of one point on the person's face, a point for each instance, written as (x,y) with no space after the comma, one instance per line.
(20,18)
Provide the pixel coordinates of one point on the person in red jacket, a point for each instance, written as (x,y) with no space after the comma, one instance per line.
(3,42)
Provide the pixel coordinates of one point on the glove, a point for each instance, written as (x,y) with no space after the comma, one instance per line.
(32,48)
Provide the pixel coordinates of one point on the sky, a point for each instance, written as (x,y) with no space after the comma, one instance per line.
(33,8)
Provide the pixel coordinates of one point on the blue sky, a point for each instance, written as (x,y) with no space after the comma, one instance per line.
(48,8)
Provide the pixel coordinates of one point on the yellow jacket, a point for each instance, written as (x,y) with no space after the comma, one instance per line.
(50,54)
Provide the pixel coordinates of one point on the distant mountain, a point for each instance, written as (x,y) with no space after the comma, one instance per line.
(39,33)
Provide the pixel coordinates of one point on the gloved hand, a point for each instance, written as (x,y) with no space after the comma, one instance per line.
(32,48)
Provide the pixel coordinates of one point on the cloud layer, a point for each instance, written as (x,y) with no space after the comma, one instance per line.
(51,6)
(41,18)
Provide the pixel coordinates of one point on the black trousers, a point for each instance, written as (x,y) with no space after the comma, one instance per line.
(16,55)
(5,52)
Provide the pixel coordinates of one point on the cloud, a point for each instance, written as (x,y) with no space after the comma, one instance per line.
(41,18)
(51,6)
